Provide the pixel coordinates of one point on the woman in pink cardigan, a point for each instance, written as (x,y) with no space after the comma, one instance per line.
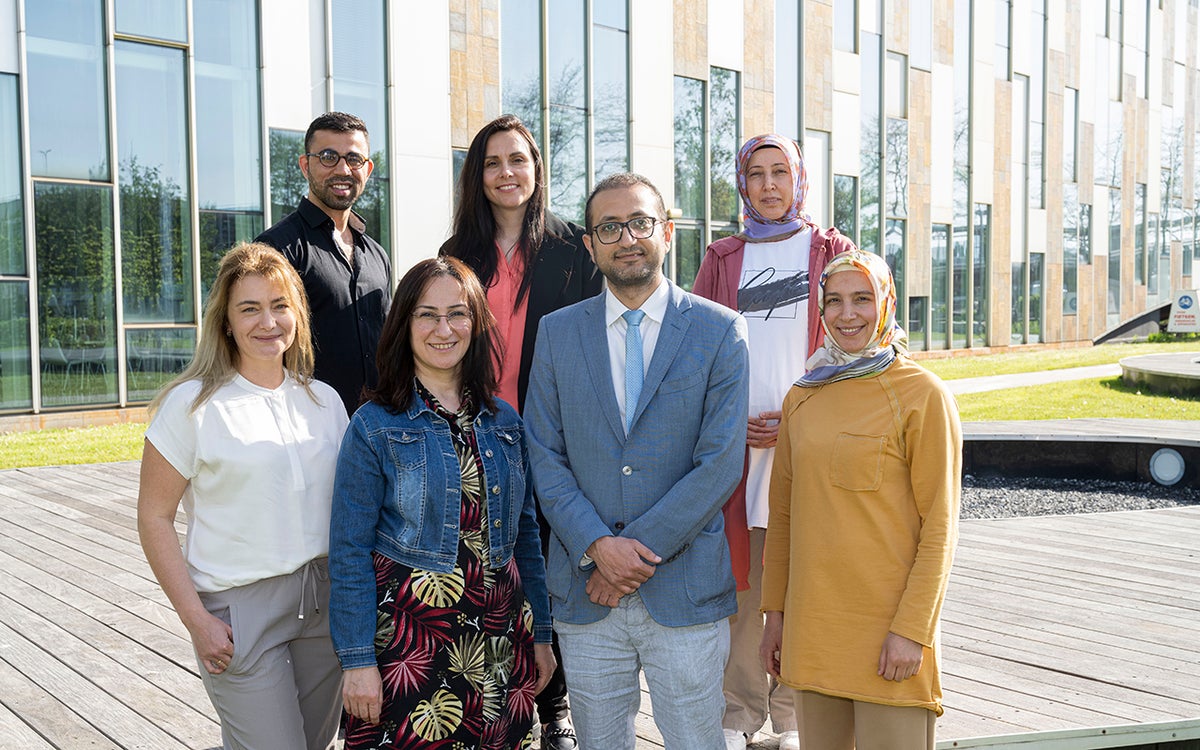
(763,272)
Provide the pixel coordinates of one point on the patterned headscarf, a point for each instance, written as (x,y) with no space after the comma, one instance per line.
(758,227)
(831,363)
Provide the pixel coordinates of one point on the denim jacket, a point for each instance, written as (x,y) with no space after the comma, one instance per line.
(397,492)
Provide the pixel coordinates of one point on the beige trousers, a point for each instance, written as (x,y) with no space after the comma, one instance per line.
(829,723)
(750,693)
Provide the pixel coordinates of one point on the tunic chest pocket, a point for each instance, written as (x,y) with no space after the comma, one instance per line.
(857,462)
(408,459)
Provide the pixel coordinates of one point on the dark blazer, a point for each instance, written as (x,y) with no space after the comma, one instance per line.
(563,274)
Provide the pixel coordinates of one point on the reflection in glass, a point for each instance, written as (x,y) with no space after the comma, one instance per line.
(458,157)
(1070,133)
(1037,272)
(724,134)
(76,294)
(1139,233)
(845,25)
(939,286)
(156,234)
(1017,276)
(68,112)
(920,40)
(288,185)
(520,62)
(154,356)
(689,147)
(918,334)
(893,245)
(1070,248)
(12,207)
(612,13)
(567,143)
(1152,291)
(610,99)
(962,172)
(157,19)
(897,168)
(1085,233)
(981,257)
(870,147)
(359,86)
(1002,62)
(1114,257)
(219,231)
(1037,110)
(845,205)
(689,248)
(16,386)
(959,284)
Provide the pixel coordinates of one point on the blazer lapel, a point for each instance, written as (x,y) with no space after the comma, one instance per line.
(593,342)
(670,337)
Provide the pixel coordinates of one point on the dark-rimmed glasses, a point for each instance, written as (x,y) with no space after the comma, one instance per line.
(640,228)
(329,158)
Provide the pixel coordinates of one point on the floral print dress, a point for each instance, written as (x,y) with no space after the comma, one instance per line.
(455,650)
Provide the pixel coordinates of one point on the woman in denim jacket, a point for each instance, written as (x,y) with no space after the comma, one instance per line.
(439,611)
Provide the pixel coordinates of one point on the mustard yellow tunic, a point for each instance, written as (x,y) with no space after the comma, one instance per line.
(864,519)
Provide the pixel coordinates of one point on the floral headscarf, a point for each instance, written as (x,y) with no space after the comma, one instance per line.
(831,363)
(757,226)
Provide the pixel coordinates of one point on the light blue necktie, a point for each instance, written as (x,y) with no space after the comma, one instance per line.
(633,364)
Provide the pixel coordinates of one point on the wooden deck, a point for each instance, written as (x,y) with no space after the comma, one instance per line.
(1082,629)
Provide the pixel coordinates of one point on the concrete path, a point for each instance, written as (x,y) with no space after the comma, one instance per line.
(1042,377)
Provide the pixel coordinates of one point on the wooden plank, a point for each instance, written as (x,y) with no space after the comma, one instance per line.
(14,732)
(43,713)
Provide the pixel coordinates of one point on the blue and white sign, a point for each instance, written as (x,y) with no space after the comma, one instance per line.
(1184,314)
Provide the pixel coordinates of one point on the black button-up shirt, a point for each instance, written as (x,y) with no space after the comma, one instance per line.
(348,304)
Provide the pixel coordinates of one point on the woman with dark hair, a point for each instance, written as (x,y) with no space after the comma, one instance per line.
(247,440)
(439,609)
(531,263)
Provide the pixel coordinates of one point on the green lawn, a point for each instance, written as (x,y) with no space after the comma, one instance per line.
(1100,397)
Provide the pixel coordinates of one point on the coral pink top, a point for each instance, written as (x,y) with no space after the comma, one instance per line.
(510,321)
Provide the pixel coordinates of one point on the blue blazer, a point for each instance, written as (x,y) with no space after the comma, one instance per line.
(665,483)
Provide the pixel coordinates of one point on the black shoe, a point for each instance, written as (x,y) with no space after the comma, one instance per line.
(559,735)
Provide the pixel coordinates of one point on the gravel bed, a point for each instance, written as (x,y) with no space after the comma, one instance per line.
(1009,497)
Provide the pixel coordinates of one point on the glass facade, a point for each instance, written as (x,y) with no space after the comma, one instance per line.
(140,146)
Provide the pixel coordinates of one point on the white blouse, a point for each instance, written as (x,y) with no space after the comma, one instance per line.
(260,464)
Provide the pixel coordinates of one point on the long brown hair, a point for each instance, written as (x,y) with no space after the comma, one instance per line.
(215,362)
(474,225)
(395,360)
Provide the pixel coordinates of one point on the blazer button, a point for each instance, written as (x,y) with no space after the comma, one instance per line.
(619,525)
(496,523)
(495,489)
(627,470)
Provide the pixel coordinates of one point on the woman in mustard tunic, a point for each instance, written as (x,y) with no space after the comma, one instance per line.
(864,505)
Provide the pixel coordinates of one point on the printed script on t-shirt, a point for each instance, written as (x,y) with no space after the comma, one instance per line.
(772,292)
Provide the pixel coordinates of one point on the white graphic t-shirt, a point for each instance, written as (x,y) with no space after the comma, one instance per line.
(773,298)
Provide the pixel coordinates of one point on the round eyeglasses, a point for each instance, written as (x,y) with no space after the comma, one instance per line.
(454,318)
(640,228)
(329,158)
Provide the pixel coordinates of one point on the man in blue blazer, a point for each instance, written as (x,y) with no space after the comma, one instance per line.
(636,414)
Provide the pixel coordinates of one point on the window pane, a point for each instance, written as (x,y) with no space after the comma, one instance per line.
(16,389)
(219,231)
(568,129)
(610,100)
(918,336)
(76,294)
(845,25)
(845,205)
(611,13)
(288,185)
(939,285)
(896,92)
(1070,249)
(154,356)
(689,147)
(787,67)
(156,232)
(1002,61)
(897,168)
(1139,233)
(158,19)
(1017,277)
(359,75)
(521,63)
(689,247)
(1114,257)
(920,30)
(1070,133)
(12,207)
(870,146)
(979,280)
(724,134)
(893,243)
(68,113)
(1037,265)
(1085,233)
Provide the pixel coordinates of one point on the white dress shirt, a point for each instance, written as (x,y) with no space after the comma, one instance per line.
(655,308)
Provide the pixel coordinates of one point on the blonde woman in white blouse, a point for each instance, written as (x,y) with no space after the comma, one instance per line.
(248,442)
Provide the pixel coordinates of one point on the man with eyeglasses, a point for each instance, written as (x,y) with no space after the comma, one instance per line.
(636,416)
(347,275)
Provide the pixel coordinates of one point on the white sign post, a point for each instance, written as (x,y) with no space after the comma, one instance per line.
(1185,312)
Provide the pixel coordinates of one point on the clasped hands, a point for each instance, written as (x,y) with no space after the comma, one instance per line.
(623,564)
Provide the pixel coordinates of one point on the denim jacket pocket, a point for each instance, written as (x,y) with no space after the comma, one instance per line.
(407,448)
